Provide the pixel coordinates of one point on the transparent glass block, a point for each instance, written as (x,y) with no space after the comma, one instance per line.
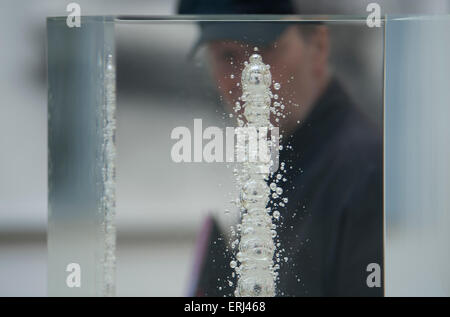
(109,158)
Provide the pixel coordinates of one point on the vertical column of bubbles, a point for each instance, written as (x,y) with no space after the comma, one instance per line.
(254,263)
(108,173)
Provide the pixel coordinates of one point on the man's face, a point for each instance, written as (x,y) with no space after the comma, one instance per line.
(296,62)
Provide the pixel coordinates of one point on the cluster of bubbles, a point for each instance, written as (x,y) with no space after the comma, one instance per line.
(254,260)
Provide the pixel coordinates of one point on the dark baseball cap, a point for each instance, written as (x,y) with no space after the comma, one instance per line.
(234,20)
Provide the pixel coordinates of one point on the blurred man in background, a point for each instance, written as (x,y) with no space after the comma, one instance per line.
(331,229)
